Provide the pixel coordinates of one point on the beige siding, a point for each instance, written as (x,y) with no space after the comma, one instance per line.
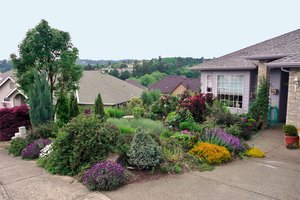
(293,107)
(4,91)
(179,90)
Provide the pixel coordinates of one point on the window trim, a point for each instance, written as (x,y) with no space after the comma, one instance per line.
(211,83)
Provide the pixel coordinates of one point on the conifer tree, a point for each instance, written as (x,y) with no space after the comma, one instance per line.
(40,101)
(98,106)
(74,109)
(63,109)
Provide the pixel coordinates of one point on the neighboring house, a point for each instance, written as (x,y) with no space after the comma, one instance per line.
(10,95)
(113,91)
(176,85)
(135,83)
(233,78)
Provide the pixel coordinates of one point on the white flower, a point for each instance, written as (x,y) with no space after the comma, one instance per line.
(46,150)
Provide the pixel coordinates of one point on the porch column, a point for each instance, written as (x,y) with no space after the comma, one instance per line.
(293,103)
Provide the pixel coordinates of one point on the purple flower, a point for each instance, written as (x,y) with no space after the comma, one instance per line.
(33,150)
(106,175)
(219,137)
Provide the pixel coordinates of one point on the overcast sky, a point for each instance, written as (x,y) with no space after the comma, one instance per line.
(140,29)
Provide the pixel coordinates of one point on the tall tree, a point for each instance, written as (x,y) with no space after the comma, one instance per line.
(40,102)
(74,109)
(99,107)
(63,109)
(48,51)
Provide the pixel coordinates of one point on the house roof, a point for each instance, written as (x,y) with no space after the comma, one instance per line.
(135,83)
(281,51)
(169,83)
(113,90)
(6,76)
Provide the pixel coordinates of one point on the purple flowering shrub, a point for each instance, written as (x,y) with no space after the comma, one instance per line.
(33,150)
(106,175)
(220,137)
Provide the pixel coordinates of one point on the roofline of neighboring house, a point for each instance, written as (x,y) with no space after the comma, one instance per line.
(224,68)
(266,56)
(6,80)
(16,89)
(278,65)
(105,104)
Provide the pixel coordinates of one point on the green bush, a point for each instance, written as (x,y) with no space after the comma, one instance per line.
(144,152)
(123,143)
(115,113)
(43,131)
(86,139)
(166,134)
(126,130)
(138,112)
(234,129)
(290,130)
(17,145)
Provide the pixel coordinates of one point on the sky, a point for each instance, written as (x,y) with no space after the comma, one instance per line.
(140,29)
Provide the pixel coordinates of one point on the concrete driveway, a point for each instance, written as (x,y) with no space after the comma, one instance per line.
(275,177)
(20,179)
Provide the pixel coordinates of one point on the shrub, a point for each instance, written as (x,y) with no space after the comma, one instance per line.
(149,97)
(11,119)
(134,102)
(115,113)
(249,127)
(290,130)
(126,130)
(211,153)
(219,137)
(98,107)
(105,175)
(144,152)
(33,150)
(40,100)
(259,107)
(166,134)
(85,139)
(186,140)
(17,145)
(74,108)
(197,105)
(255,152)
(138,112)
(181,115)
(63,109)
(43,131)
(172,151)
(123,143)
(234,129)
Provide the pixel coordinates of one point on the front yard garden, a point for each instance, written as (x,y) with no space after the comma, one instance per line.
(167,135)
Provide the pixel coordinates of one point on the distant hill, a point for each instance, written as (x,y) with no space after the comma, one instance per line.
(5,65)
(102,62)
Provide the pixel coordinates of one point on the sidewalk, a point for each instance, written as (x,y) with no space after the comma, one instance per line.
(20,179)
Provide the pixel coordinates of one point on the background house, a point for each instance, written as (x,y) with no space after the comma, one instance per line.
(233,78)
(176,85)
(10,95)
(113,91)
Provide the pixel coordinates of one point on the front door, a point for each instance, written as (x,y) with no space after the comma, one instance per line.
(284,86)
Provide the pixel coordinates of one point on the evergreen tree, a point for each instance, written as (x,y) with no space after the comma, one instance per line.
(99,108)
(40,101)
(74,109)
(259,107)
(63,109)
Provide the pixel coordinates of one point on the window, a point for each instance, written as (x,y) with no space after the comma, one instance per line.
(230,90)
(209,82)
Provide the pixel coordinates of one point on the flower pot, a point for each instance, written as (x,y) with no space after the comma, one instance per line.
(289,140)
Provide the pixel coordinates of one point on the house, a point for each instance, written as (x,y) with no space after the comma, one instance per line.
(113,91)
(234,77)
(176,85)
(10,95)
(135,83)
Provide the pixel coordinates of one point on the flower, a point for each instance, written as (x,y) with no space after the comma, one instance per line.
(32,150)
(46,150)
(106,175)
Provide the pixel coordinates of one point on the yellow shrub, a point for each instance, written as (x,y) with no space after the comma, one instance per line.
(212,153)
(255,153)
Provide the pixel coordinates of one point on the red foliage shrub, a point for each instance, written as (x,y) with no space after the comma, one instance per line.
(197,105)
(11,119)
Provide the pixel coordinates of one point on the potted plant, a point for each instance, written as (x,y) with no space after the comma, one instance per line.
(290,135)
